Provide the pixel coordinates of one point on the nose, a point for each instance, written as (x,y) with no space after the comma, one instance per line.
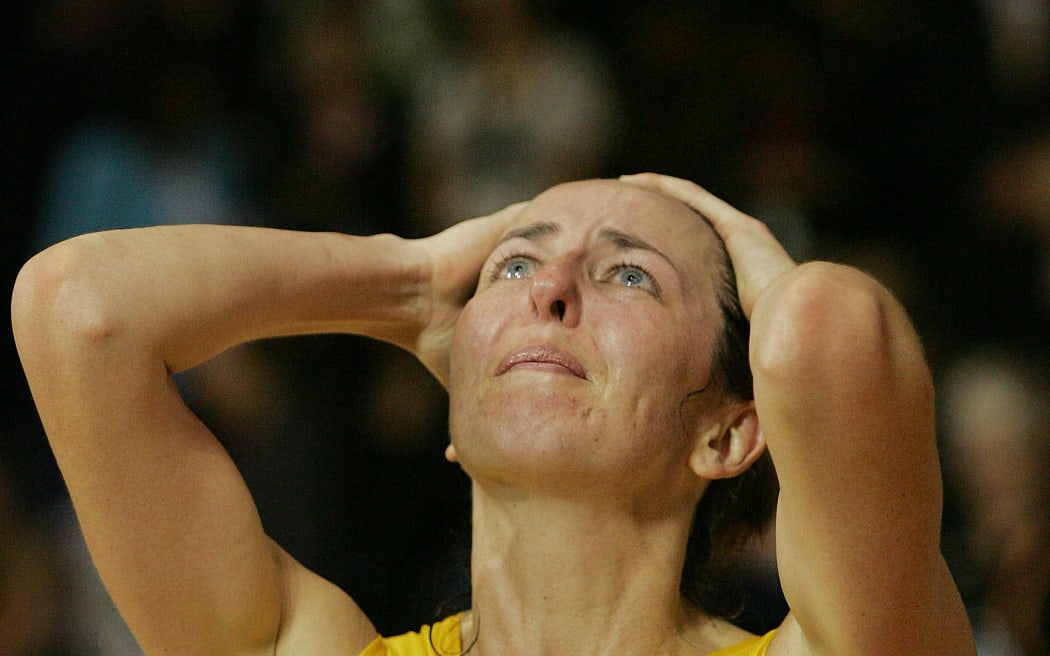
(554,293)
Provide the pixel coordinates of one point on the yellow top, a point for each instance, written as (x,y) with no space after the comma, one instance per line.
(446,641)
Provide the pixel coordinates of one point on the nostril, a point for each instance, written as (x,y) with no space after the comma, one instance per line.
(558,309)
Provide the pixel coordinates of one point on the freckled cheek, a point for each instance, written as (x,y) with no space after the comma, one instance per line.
(644,355)
(654,372)
(473,340)
(465,370)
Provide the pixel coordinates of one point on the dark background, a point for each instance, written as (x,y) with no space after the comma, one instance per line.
(907,138)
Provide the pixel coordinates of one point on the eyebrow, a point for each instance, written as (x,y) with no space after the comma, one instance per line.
(625,241)
(622,240)
(532,232)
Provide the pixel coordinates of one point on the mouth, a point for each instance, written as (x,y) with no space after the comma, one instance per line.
(541,357)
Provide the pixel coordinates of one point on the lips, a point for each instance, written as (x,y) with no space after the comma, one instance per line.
(541,356)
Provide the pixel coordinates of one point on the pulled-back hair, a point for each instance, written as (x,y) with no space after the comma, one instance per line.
(731,510)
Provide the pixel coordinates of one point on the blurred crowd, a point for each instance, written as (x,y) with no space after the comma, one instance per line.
(909,139)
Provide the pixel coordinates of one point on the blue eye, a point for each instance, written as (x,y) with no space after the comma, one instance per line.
(514,268)
(632,277)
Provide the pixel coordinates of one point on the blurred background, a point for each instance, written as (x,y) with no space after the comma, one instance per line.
(909,139)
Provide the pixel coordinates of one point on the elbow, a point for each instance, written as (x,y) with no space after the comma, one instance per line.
(56,301)
(826,319)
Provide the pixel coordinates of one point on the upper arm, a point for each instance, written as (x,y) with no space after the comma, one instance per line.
(168,519)
(846,403)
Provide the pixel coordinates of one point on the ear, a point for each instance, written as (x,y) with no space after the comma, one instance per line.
(729,446)
(450,453)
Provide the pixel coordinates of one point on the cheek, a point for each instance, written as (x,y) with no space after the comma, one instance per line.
(656,367)
(657,355)
(470,354)
(472,338)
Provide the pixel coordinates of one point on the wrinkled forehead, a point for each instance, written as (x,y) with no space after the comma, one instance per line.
(651,215)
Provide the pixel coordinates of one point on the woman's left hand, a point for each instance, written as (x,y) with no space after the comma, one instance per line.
(758,258)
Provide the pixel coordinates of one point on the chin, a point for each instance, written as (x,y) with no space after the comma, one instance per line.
(530,440)
(529,470)
(520,412)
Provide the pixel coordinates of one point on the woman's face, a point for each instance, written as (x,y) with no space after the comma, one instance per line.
(593,320)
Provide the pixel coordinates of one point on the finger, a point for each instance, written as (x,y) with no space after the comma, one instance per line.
(720,213)
(499,219)
(510,210)
(485,229)
(758,257)
(736,228)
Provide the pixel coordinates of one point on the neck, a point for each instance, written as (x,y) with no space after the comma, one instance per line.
(555,575)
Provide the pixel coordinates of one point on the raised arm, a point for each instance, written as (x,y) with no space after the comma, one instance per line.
(845,401)
(103,320)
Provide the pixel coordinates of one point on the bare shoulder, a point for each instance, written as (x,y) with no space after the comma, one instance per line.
(318,618)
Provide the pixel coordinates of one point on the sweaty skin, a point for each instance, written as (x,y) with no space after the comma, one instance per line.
(594,316)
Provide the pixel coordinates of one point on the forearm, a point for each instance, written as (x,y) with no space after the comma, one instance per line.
(185,293)
(845,402)
(830,346)
(101,321)
(845,399)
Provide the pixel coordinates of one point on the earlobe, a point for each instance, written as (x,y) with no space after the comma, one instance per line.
(450,453)
(729,447)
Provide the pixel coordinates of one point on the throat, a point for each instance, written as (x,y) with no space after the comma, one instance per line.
(556,576)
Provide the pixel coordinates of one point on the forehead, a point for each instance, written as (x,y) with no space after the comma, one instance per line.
(589,206)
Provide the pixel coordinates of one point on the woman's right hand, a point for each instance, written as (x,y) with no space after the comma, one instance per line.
(451,263)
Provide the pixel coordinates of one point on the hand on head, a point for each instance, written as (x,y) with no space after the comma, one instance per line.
(450,264)
(758,258)
(452,259)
